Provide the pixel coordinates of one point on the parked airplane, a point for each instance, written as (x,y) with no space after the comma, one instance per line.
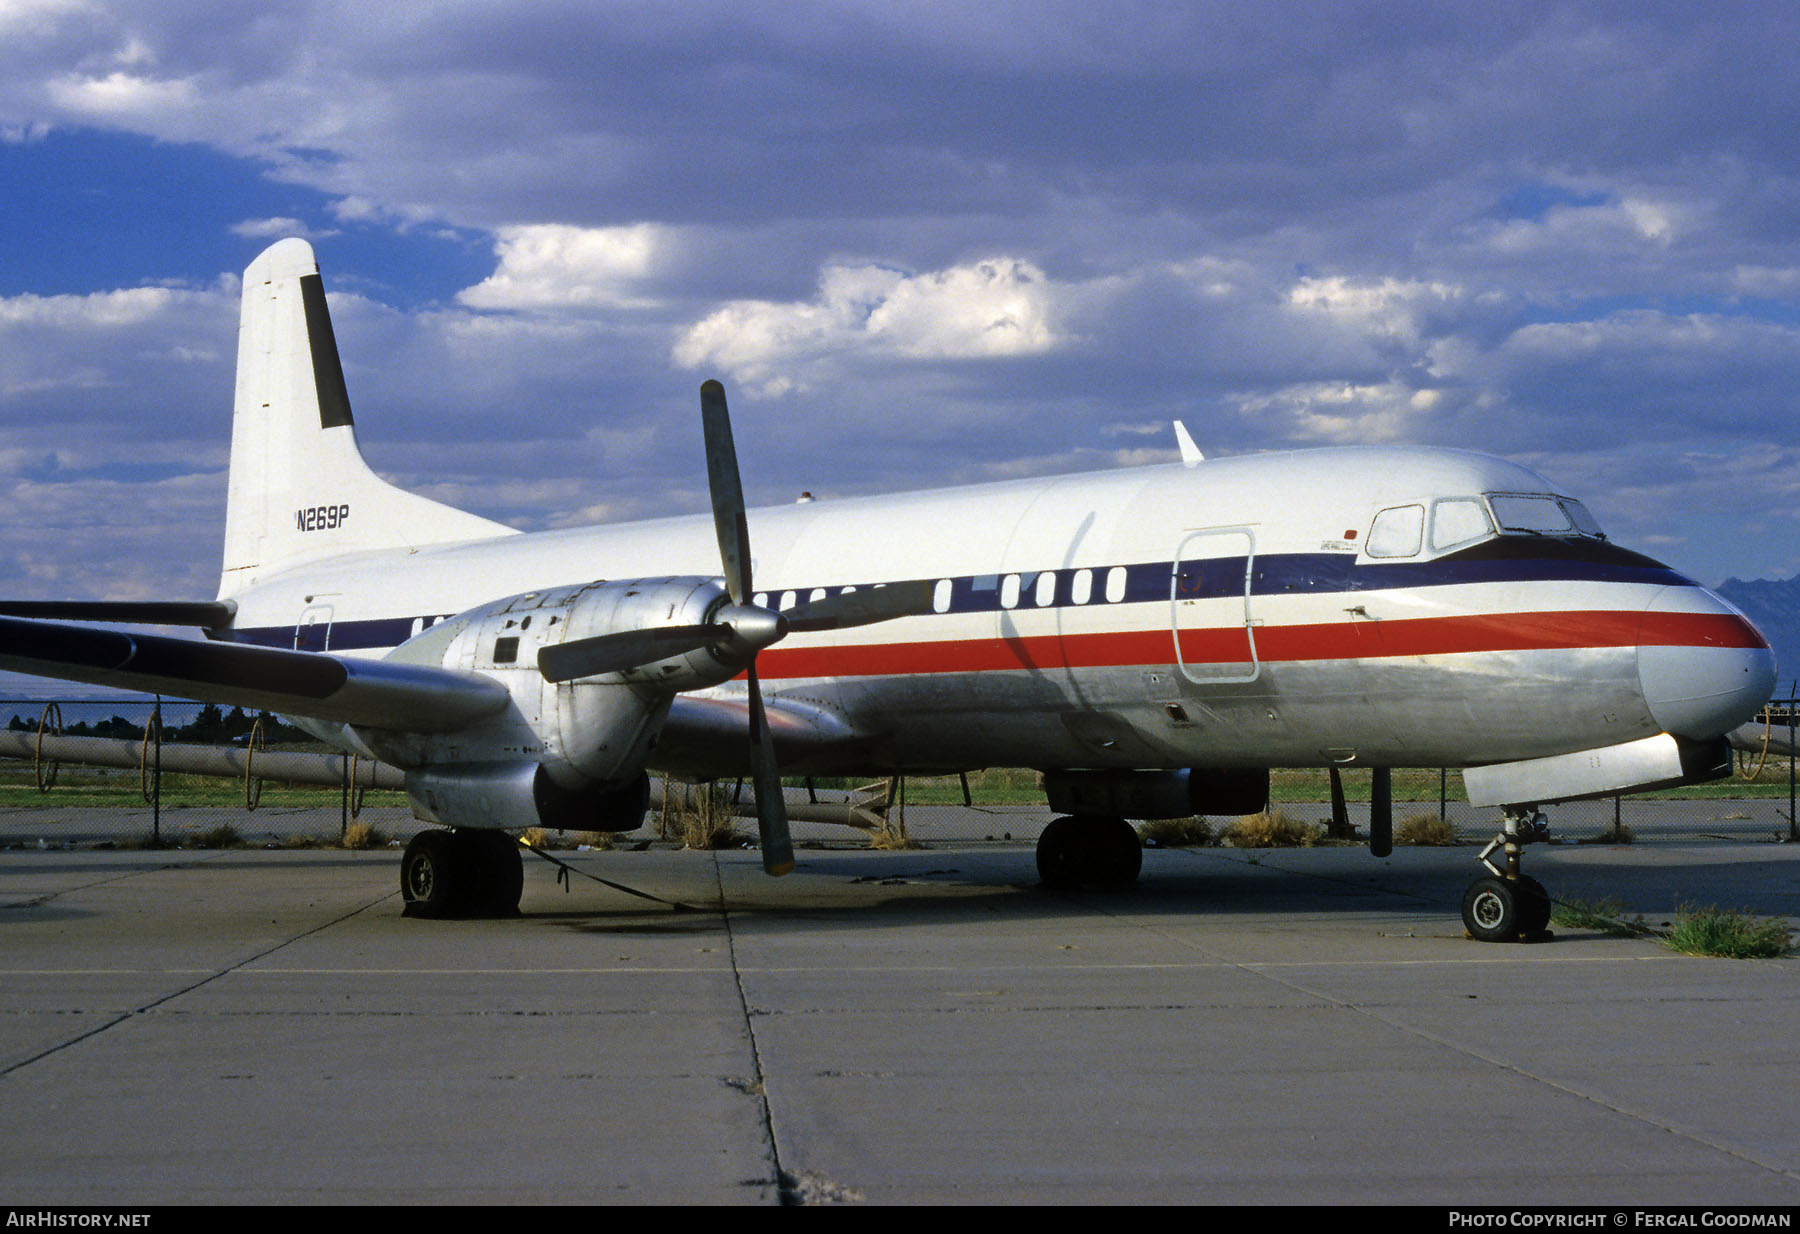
(1153,639)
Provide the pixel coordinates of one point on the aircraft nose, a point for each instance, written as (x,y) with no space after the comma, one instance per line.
(1704,669)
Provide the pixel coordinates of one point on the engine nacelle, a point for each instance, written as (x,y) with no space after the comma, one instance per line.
(518,795)
(588,736)
(1157,794)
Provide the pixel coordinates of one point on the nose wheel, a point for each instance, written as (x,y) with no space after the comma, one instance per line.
(1506,905)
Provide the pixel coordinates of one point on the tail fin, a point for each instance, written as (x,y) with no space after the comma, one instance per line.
(299,489)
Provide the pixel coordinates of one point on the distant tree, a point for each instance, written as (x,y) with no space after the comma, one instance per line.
(276,730)
(206,728)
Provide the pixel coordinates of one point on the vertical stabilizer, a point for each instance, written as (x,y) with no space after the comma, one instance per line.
(299,489)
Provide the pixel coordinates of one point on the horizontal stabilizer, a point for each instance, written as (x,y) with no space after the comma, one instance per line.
(206,614)
(376,693)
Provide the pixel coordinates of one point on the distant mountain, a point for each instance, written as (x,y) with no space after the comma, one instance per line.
(1774,605)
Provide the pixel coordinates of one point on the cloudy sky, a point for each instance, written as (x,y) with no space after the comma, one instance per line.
(922,243)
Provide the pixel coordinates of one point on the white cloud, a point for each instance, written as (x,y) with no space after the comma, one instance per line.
(1632,222)
(1342,413)
(983,310)
(553,266)
(1389,306)
(139,344)
(105,309)
(1777,282)
(122,97)
(279,228)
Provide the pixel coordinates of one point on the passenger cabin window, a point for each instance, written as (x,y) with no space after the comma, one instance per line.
(1457,521)
(1396,532)
(940,596)
(1115,584)
(1081,589)
(1045,591)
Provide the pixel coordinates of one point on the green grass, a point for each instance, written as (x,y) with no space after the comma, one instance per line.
(1607,916)
(1733,934)
(84,786)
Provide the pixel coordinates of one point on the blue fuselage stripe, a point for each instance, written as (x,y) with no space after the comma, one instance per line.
(1274,574)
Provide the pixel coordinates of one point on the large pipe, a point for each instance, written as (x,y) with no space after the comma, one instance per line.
(840,808)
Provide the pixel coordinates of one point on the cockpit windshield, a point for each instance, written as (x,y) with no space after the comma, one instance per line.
(1461,522)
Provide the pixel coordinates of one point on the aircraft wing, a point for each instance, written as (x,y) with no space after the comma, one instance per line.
(207,614)
(318,685)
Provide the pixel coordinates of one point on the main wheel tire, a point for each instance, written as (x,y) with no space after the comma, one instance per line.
(1534,906)
(499,871)
(1061,861)
(436,876)
(1490,910)
(1116,852)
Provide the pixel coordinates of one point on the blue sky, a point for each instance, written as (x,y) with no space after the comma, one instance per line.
(922,243)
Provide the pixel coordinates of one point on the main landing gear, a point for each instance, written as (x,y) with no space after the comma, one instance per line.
(464,873)
(1095,849)
(1506,905)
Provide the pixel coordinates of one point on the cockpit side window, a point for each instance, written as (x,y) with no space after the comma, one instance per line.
(1396,532)
(1458,520)
(1584,522)
(1522,512)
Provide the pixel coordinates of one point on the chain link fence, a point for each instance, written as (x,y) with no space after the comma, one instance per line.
(85,773)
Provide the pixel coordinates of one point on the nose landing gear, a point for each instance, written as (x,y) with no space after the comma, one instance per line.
(1506,905)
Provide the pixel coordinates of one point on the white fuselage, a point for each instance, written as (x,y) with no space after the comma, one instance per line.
(1224,614)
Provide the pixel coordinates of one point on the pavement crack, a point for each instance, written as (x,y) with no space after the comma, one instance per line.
(121,876)
(754,1087)
(191,986)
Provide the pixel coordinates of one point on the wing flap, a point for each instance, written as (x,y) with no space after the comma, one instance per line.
(376,693)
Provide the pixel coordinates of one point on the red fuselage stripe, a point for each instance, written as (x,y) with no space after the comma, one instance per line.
(1353,639)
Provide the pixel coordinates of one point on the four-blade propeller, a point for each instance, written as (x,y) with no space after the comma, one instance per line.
(737,630)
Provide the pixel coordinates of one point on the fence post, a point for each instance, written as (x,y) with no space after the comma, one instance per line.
(156,777)
(1793,826)
(1443,793)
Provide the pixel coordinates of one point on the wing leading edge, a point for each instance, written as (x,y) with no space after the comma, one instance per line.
(318,685)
